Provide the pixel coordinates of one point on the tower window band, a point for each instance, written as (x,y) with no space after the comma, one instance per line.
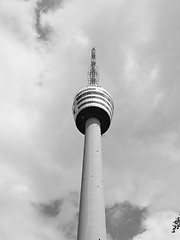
(98,97)
(96,103)
(94,92)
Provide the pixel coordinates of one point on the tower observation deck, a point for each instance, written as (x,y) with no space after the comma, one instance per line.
(92,110)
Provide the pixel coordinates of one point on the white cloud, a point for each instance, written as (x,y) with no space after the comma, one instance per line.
(18,17)
(159,227)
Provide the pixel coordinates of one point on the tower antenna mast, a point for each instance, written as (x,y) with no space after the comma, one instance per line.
(93,75)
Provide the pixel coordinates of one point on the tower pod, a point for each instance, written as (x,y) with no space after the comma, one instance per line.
(93,101)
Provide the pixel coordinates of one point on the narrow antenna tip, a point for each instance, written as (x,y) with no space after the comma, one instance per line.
(93,55)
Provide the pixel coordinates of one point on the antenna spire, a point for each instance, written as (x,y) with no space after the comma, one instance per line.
(93,76)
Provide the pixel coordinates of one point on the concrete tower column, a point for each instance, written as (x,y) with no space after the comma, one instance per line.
(92,210)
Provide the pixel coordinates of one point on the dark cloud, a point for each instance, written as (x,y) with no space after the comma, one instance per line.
(124,221)
(44,6)
(51,209)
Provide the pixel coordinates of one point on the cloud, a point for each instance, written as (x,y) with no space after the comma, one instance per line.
(45,6)
(18,218)
(21,69)
(12,13)
(62,214)
(158,227)
(137,46)
(52,209)
(124,221)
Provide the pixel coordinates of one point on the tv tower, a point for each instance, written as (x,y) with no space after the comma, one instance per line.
(92,110)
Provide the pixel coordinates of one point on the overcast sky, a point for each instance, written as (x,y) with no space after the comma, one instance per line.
(44,57)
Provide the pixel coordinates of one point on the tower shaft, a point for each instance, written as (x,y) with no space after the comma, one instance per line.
(92,209)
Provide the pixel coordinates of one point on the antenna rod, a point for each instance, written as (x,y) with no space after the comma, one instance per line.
(93,75)
(93,56)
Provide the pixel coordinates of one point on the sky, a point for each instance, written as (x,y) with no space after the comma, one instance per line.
(44,58)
